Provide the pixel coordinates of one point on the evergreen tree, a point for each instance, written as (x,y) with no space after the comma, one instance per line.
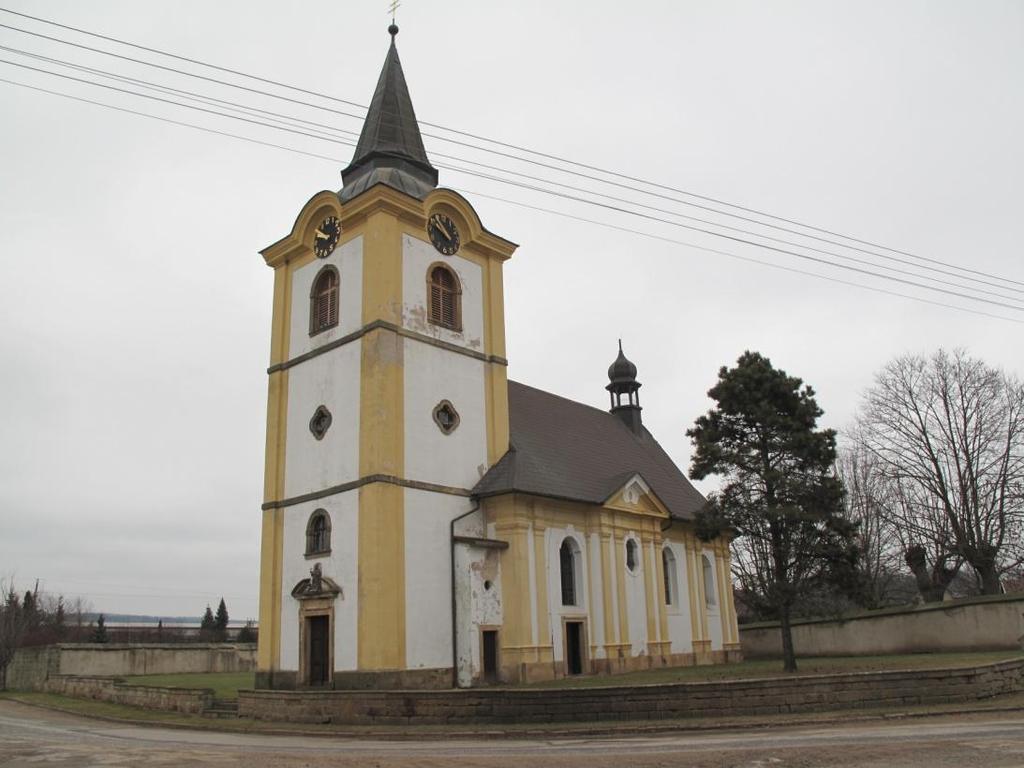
(99,634)
(780,495)
(220,622)
(59,626)
(247,634)
(206,626)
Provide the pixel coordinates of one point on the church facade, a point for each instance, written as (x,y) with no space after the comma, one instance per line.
(427,522)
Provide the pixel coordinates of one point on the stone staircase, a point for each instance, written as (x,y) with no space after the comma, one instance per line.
(222,708)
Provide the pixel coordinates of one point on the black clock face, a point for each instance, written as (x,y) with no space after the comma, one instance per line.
(326,236)
(443,234)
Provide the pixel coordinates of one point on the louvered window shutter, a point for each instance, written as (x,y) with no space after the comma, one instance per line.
(325,301)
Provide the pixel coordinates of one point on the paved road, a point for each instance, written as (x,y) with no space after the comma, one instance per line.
(34,737)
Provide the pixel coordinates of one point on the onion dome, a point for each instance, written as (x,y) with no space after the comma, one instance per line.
(621,372)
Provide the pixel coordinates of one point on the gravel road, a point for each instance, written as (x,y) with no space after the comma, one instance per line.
(35,737)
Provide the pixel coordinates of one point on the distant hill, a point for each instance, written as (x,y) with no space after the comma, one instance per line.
(137,619)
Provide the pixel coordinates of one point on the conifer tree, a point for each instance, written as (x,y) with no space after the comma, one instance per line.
(206,626)
(780,495)
(99,634)
(220,622)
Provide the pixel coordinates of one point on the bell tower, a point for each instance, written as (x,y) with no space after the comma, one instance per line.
(387,401)
(624,390)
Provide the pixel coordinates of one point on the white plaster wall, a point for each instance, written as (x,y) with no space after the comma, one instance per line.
(341,566)
(417,256)
(636,600)
(680,622)
(331,379)
(428,594)
(477,606)
(433,374)
(348,259)
(715,611)
(556,611)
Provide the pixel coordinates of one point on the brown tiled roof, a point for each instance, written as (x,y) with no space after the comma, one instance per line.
(567,450)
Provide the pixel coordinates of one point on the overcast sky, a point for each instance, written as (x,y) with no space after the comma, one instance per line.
(135,308)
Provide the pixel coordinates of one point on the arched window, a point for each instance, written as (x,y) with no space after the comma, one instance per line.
(709,583)
(569,561)
(668,566)
(445,298)
(323,301)
(632,555)
(318,533)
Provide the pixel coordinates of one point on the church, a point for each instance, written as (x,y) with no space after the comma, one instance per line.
(429,523)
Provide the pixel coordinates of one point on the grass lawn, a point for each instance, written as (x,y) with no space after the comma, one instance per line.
(805,666)
(225,684)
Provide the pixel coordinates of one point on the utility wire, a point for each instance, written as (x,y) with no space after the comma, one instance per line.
(290,121)
(544,191)
(533,207)
(507,145)
(731,255)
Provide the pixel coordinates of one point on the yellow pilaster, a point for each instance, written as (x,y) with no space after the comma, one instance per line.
(620,568)
(272,534)
(606,592)
(540,562)
(649,589)
(517,630)
(382,626)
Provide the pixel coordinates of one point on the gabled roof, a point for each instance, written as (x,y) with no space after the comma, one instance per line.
(568,450)
(390,149)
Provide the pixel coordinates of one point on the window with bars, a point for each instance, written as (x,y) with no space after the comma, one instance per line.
(323,301)
(445,298)
(668,566)
(318,533)
(709,583)
(567,561)
(632,555)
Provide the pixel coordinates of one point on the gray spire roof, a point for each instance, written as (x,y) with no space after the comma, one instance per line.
(390,149)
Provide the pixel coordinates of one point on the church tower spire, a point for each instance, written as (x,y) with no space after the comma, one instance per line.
(390,149)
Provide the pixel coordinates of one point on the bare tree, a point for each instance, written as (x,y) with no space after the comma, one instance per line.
(948,431)
(13,623)
(869,502)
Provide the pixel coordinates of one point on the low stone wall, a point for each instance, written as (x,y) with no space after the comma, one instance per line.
(187,700)
(651,702)
(976,624)
(31,667)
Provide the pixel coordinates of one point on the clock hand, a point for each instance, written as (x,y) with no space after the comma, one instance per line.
(443,228)
(320,235)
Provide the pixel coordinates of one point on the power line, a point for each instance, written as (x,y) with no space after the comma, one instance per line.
(536,208)
(546,191)
(509,146)
(291,120)
(731,255)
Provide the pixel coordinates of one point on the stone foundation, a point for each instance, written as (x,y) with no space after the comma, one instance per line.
(397,679)
(648,702)
(188,700)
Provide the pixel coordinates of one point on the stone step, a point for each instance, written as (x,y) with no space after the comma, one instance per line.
(222,708)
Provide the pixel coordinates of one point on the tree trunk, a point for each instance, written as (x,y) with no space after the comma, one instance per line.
(788,654)
(931,582)
(989,578)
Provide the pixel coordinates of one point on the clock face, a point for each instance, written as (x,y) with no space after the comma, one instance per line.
(326,236)
(443,234)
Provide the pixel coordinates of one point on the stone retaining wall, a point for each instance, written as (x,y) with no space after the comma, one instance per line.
(680,700)
(31,667)
(188,700)
(975,624)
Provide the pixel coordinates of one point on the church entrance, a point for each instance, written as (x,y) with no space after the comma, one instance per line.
(574,652)
(490,655)
(318,632)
